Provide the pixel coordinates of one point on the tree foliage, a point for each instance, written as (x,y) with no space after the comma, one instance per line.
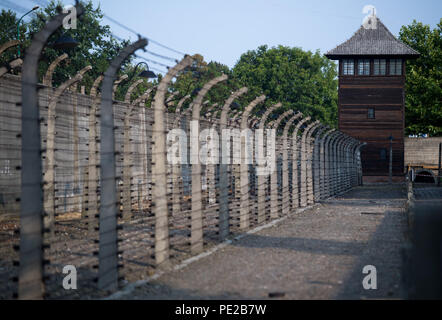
(300,80)
(97,46)
(424,79)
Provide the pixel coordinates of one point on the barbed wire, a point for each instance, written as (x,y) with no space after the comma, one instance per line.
(139,34)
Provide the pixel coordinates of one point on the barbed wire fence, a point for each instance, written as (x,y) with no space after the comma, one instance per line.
(85,180)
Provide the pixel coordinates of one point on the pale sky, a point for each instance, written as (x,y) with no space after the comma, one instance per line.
(223,30)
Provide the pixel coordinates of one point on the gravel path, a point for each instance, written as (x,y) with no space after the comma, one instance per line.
(316,254)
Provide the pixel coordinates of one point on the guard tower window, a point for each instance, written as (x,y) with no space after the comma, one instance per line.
(396,67)
(364,67)
(348,67)
(370,113)
(380,67)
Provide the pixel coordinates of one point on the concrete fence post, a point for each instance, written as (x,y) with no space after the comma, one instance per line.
(310,162)
(117,83)
(328,158)
(332,164)
(324,166)
(12,64)
(140,103)
(244,215)
(196,237)
(295,166)
(342,164)
(211,163)
(262,179)
(5,46)
(316,170)
(285,164)
(159,179)
(108,237)
(304,160)
(358,163)
(49,175)
(90,188)
(338,164)
(177,189)
(47,79)
(224,228)
(128,152)
(274,198)
(345,145)
(30,279)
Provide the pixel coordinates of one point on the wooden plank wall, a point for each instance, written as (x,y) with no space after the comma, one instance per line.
(385,94)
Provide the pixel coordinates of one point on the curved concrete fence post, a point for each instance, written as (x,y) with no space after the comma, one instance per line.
(49,175)
(359,163)
(355,172)
(171,99)
(318,158)
(246,158)
(274,203)
(340,164)
(353,164)
(285,164)
(324,164)
(328,165)
(14,64)
(128,152)
(212,158)
(225,149)
(196,238)
(177,191)
(337,163)
(140,103)
(333,163)
(30,278)
(354,175)
(348,163)
(296,150)
(304,159)
(311,161)
(108,234)
(180,104)
(159,178)
(92,167)
(343,164)
(262,179)
(47,79)
(5,46)
(114,91)
(117,83)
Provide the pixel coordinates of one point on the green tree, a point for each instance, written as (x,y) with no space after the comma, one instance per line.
(97,46)
(424,79)
(8,21)
(193,78)
(300,80)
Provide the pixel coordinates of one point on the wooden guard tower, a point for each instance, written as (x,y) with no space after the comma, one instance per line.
(371,99)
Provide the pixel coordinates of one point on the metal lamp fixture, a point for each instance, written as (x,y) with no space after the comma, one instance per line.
(18,26)
(65,42)
(143,74)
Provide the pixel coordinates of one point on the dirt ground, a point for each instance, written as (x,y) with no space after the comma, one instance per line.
(315,254)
